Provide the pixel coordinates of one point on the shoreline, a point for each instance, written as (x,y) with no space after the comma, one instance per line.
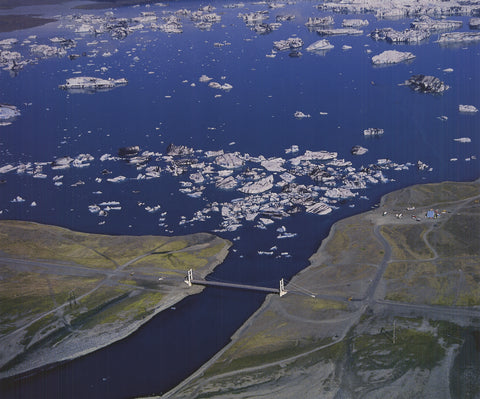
(193,383)
(80,343)
(6,379)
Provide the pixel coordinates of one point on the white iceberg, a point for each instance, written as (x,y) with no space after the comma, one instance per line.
(392,57)
(468,109)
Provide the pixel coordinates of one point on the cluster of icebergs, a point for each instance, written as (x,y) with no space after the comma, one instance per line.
(268,189)
(395,9)
(171,22)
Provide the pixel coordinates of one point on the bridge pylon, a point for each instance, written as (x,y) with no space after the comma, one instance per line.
(282,291)
(189,278)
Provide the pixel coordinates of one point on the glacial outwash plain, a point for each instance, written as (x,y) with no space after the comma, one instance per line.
(65,293)
(388,308)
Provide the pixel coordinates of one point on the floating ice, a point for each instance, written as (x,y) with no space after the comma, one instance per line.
(469,109)
(392,57)
(8,113)
(87,84)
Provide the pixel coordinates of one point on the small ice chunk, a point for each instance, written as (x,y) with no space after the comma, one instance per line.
(468,109)
(18,198)
(300,115)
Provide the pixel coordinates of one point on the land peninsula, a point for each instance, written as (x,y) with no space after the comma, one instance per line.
(389,307)
(66,293)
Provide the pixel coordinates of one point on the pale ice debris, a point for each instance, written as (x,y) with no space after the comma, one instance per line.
(300,115)
(392,57)
(320,45)
(354,23)
(258,186)
(204,79)
(117,179)
(470,109)
(86,82)
(372,131)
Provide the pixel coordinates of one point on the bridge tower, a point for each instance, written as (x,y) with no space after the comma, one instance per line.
(189,278)
(282,290)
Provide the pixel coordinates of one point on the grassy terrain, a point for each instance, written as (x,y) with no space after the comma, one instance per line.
(57,285)
(431,194)
(407,241)
(358,239)
(23,295)
(449,277)
(433,262)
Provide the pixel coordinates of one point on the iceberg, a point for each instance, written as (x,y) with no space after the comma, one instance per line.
(291,43)
(229,161)
(320,45)
(468,109)
(358,150)
(463,140)
(425,23)
(459,38)
(340,32)
(258,186)
(354,23)
(89,84)
(372,131)
(8,113)
(426,84)
(300,115)
(392,57)
(319,208)
(319,21)
(474,23)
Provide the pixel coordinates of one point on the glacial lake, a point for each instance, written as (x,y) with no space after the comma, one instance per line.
(341,91)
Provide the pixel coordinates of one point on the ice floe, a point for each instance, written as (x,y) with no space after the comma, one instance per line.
(288,44)
(392,57)
(8,113)
(467,109)
(89,84)
(320,45)
(340,32)
(426,84)
(373,131)
(459,38)
(463,140)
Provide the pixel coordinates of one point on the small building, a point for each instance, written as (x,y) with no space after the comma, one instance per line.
(430,214)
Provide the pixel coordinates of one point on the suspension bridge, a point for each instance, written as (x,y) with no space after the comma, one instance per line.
(281,291)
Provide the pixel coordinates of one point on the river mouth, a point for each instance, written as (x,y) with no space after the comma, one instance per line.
(465,373)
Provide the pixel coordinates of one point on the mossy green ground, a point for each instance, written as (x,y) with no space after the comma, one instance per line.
(55,282)
(433,262)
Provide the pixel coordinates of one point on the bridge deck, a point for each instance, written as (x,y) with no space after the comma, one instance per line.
(239,286)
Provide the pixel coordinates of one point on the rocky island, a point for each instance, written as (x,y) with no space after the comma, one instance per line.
(65,293)
(384,309)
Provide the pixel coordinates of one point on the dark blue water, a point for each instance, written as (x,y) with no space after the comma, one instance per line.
(257,116)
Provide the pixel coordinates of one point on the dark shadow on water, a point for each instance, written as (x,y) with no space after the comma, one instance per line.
(465,374)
